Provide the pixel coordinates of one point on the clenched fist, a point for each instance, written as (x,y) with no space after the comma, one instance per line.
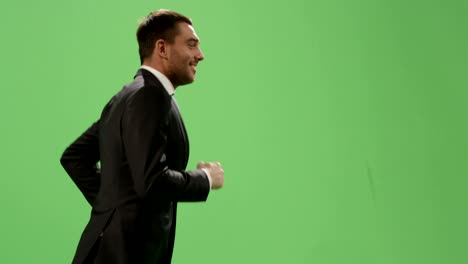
(215,171)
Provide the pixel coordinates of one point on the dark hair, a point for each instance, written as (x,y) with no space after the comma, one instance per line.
(159,24)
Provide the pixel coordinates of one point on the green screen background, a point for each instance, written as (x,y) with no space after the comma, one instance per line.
(341,126)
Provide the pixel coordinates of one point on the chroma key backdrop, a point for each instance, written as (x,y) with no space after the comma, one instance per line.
(342,127)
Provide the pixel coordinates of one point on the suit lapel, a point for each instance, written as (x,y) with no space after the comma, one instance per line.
(179,124)
(178,144)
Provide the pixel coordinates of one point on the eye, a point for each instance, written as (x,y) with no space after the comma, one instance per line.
(192,43)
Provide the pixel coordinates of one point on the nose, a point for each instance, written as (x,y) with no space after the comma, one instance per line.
(200,55)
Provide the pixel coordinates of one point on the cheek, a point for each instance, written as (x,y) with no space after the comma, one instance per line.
(183,59)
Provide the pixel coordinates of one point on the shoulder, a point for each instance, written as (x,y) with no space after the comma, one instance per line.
(146,90)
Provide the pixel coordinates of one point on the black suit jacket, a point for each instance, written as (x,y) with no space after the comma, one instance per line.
(142,144)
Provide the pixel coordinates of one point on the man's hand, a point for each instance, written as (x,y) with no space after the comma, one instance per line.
(215,171)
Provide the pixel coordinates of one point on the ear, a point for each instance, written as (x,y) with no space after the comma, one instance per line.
(161,48)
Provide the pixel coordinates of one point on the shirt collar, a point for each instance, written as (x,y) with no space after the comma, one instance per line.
(162,78)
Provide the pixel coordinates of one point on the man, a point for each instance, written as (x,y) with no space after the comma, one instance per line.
(143,148)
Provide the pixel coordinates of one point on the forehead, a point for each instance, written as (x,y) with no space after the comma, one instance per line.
(186,31)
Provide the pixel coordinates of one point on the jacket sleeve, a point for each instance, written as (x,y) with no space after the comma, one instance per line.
(144,132)
(80,162)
